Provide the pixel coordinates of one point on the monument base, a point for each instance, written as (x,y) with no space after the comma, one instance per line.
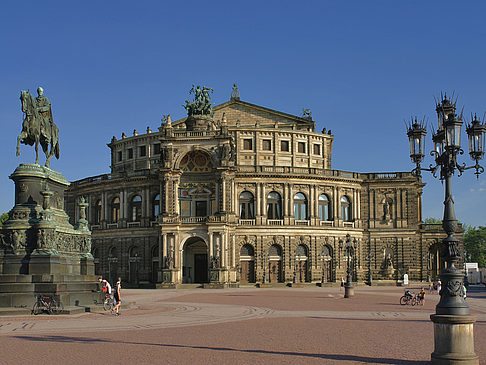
(41,253)
(453,340)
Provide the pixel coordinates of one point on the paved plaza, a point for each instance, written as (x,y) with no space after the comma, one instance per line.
(238,326)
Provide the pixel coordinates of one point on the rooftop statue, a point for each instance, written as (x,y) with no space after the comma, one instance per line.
(202,102)
(38,125)
(235,94)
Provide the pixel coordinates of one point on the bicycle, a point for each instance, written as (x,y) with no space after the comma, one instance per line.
(109,302)
(48,304)
(408,298)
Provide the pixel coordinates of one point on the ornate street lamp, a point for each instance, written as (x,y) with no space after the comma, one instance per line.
(453,325)
(263,257)
(369,257)
(348,286)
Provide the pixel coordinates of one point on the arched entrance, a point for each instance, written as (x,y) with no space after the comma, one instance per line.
(275,263)
(134,260)
(301,256)
(247,264)
(195,261)
(436,263)
(327,271)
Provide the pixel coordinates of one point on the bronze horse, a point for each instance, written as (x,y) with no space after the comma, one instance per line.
(36,130)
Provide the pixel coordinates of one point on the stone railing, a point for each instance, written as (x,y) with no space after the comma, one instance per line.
(275,222)
(182,134)
(301,222)
(246,222)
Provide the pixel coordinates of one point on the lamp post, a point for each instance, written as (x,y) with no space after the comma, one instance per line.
(263,257)
(348,286)
(137,260)
(370,263)
(453,325)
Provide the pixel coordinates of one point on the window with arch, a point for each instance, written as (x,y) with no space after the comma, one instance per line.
(247,250)
(345,209)
(246,205)
(326,252)
(156,206)
(275,250)
(324,211)
(300,206)
(301,251)
(274,206)
(136,208)
(115,210)
(97,212)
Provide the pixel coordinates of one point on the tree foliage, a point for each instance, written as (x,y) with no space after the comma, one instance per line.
(475,245)
(431,220)
(3,218)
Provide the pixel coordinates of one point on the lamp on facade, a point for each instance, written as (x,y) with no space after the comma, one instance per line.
(453,325)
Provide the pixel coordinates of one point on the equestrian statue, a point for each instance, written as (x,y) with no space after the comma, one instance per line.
(38,125)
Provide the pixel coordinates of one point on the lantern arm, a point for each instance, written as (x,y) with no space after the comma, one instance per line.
(433,169)
(477,166)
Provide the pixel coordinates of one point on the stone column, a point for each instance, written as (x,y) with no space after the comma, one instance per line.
(211,248)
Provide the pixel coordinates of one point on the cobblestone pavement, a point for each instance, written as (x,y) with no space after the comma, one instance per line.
(239,326)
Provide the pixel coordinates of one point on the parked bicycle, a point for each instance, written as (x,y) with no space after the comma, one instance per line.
(47,304)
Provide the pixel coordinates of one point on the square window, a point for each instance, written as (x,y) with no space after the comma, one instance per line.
(301,147)
(119,156)
(157,149)
(248,144)
(130,153)
(284,146)
(266,145)
(142,151)
(317,149)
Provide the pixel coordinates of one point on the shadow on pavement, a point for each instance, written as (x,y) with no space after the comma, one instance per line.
(339,357)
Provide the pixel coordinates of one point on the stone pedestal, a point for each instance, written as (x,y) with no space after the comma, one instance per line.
(453,340)
(215,275)
(40,251)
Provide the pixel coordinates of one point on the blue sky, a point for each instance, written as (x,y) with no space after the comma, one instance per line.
(362,67)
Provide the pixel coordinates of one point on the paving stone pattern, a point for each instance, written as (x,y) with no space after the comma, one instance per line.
(238,326)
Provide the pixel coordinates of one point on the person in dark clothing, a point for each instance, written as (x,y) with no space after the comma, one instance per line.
(117,296)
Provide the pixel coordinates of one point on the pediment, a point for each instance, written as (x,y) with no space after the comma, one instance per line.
(246,115)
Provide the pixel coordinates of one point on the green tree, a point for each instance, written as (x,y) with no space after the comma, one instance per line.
(3,218)
(475,245)
(430,220)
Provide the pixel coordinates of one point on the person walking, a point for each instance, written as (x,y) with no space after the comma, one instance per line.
(439,286)
(117,296)
(342,283)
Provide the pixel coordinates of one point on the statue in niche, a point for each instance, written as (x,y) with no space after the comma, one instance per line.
(388,268)
(386,210)
(226,152)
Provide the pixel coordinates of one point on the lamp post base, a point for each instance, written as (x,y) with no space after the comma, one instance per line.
(348,291)
(453,340)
